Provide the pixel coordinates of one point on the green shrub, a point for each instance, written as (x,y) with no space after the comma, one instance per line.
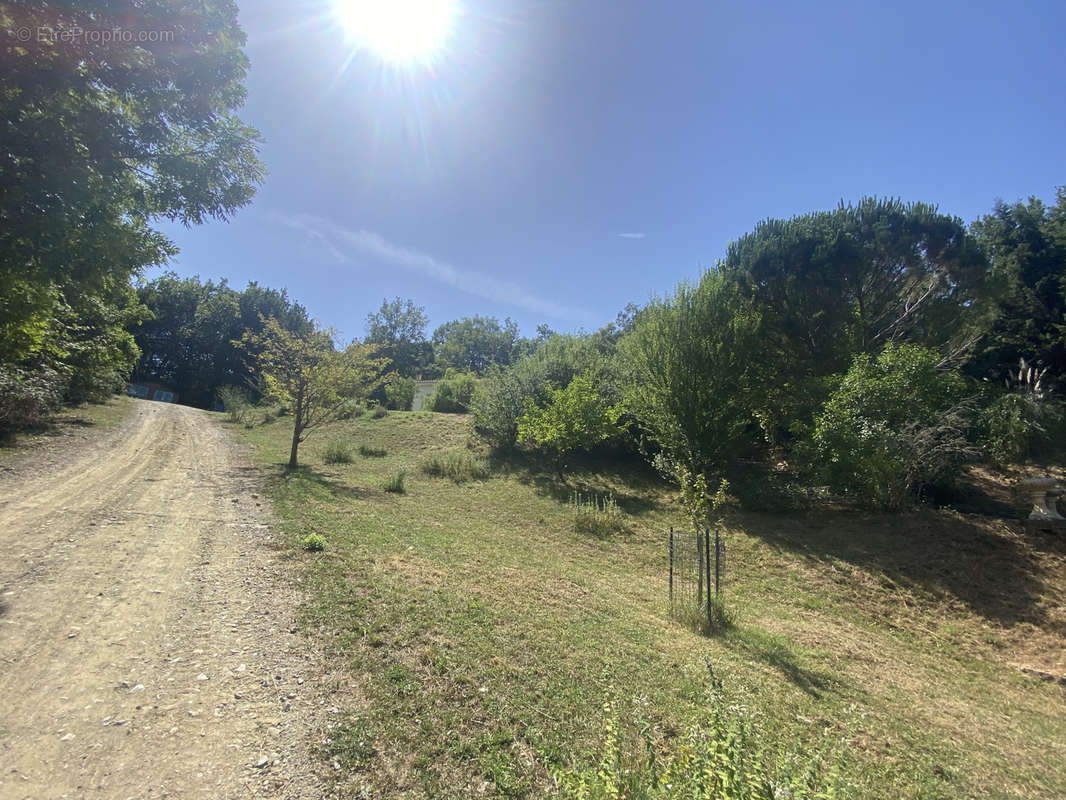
(235,401)
(574,418)
(268,418)
(372,452)
(501,399)
(453,393)
(95,383)
(352,410)
(313,543)
(394,483)
(379,412)
(1023,422)
(721,754)
(598,516)
(28,398)
(400,393)
(894,426)
(458,465)
(692,375)
(338,452)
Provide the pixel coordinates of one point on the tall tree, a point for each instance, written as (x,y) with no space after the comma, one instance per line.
(832,285)
(188,342)
(837,283)
(474,344)
(104,135)
(399,330)
(1026,247)
(691,374)
(307,373)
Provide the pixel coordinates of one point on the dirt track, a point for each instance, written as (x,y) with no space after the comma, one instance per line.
(147,646)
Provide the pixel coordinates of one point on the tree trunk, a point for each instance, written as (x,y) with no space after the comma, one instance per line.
(295,446)
(297,427)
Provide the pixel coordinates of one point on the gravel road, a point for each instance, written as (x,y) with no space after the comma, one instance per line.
(147,639)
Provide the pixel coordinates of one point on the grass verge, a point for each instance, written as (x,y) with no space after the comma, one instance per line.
(69,422)
(484,632)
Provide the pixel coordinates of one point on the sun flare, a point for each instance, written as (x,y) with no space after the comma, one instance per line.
(399,31)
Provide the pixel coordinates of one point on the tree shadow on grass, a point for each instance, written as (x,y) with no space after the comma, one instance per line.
(978,491)
(779,653)
(314,477)
(991,567)
(586,475)
(13,438)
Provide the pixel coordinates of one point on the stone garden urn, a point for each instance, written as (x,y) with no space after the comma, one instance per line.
(1042,493)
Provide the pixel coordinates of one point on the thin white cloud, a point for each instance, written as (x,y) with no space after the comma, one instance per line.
(344,243)
(631,235)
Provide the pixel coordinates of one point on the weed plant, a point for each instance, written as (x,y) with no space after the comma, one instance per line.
(720,755)
(599,516)
(394,483)
(338,451)
(460,466)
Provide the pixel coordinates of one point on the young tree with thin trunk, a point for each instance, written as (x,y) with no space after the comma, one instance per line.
(306,372)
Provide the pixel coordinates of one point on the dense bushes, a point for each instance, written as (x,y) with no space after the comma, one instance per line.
(693,383)
(400,392)
(1023,421)
(505,395)
(692,378)
(576,417)
(501,399)
(453,393)
(28,398)
(895,425)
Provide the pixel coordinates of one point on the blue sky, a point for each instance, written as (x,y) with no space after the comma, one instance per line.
(561,158)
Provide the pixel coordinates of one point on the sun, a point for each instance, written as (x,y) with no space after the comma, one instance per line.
(399,31)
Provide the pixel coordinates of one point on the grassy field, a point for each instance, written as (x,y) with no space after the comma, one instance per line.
(482,633)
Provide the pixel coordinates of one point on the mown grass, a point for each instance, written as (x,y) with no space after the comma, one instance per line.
(482,631)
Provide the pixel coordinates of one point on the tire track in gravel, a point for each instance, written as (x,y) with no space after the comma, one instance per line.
(147,644)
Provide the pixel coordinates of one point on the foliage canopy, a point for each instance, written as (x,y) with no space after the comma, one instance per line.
(306,373)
